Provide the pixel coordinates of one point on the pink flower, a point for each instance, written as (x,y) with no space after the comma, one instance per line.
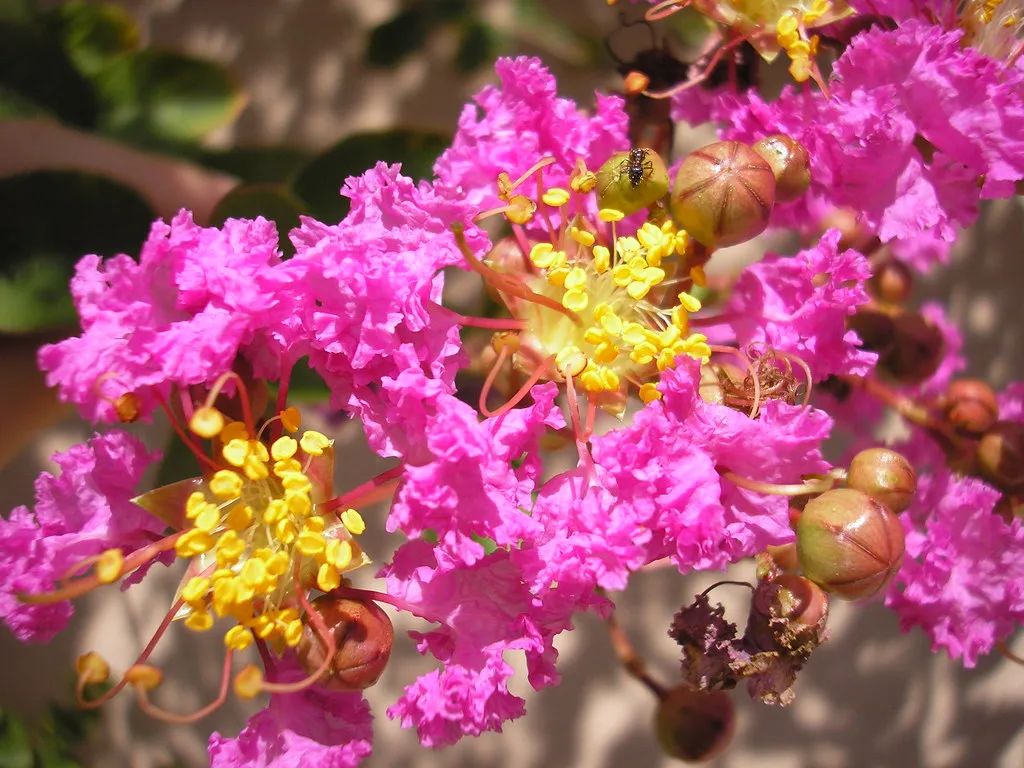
(373,283)
(315,727)
(80,512)
(513,126)
(962,579)
(196,299)
(800,305)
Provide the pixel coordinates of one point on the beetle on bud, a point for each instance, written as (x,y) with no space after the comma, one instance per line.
(849,543)
(363,636)
(694,725)
(971,405)
(789,162)
(884,475)
(723,194)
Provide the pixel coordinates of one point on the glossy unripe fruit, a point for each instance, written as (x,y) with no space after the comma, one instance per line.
(363,636)
(971,405)
(1001,455)
(723,194)
(883,475)
(633,180)
(694,725)
(790,164)
(849,543)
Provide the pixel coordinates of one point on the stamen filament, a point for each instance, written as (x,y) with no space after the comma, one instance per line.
(323,634)
(361,494)
(159,713)
(185,438)
(243,396)
(522,391)
(492,374)
(809,487)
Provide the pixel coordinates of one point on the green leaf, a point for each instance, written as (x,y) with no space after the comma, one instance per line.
(51,219)
(272,201)
(15,748)
(160,96)
(305,385)
(35,67)
(95,33)
(318,184)
(478,45)
(393,40)
(257,165)
(14,104)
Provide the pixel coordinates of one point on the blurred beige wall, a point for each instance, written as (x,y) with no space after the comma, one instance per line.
(870,697)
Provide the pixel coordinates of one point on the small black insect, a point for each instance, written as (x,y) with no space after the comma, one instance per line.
(637,166)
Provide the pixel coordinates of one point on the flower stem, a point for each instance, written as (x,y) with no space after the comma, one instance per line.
(813,486)
(630,659)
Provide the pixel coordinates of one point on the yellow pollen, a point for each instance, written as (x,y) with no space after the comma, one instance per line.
(109,566)
(195,590)
(283,448)
(556,197)
(207,422)
(520,209)
(238,637)
(609,215)
(144,676)
(236,430)
(235,451)
(199,621)
(582,236)
(353,521)
(689,303)
(91,668)
(314,443)
(328,578)
(226,484)
(290,419)
(248,682)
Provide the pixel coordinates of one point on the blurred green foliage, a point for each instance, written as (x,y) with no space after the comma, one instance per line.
(51,742)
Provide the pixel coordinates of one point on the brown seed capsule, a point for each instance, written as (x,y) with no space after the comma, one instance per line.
(971,405)
(723,194)
(916,350)
(874,327)
(883,475)
(630,181)
(363,635)
(790,163)
(797,598)
(694,725)
(784,555)
(849,543)
(891,282)
(1001,455)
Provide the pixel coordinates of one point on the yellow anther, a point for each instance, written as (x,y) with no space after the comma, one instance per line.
(109,566)
(286,466)
(196,589)
(298,503)
(283,448)
(649,392)
(248,682)
(339,553)
(235,451)
(276,510)
(688,302)
(800,69)
(91,668)
(576,300)
(698,276)
(254,572)
(555,197)
(199,621)
(194,504)
(277,564)
(239,638)
(290,419)
(262,626)
(670,336)
(327,577)
(610,214)
(229,548)
(296,482)
(557,275)
(316,524)
(520,209)
(254,468)
(239,517)
(643,353)
(285,531)
(192,543)
(310,543)
(208,518)
(542,255)
(293,633)
(235,430)
(799,49)
(583,181)
(353,521)
(582,236)
(144,676)
(314,443)
(226,484)
(787,23)
(577,278)
(602,259)
(207,422)
(638,290)
(570,361)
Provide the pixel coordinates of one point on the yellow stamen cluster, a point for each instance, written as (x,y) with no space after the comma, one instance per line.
(254,528)
(631,325)
(994,27)
(792,37)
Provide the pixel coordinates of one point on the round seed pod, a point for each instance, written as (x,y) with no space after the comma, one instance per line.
(883,475)
(849,543)
(1001,455)
(790,163)
(891,282)
(363,636)
(723,194)
(971,405)
(694,725)
(797,598)
(916,351)
(630,181)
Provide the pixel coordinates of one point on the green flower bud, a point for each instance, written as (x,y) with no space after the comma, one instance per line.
(694,725)
(883,475)
(723,194)
(363,636)
(631,181)
(790,163)
(849,543)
